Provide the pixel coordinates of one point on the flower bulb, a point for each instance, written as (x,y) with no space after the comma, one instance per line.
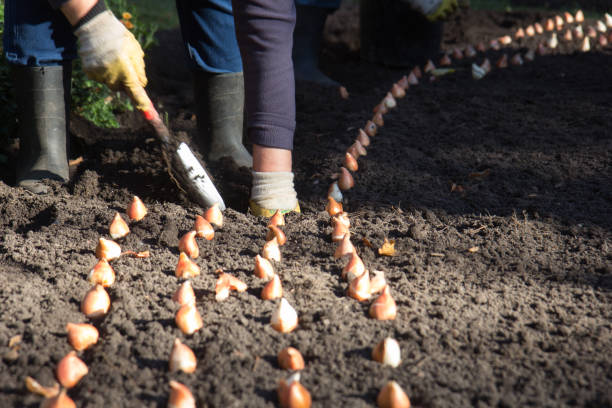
(137,210)
(271,250)
(392,396)
(345,180)
(102,274)
(284,317)
(184,294)
(118,228)
(384,307)
(70,370)
(263,268)
(182,358)
(214,215)
(107,249)
(203,228)
(188,318)
(387,352)
(96,302)
(272,289)
(81,335)
(290,359)
(180,396)
(186,268)
(345,247)
(359,288)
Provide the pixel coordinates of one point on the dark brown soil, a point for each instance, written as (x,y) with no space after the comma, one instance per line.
(524,321)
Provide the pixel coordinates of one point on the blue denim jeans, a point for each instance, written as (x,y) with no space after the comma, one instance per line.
(36,35)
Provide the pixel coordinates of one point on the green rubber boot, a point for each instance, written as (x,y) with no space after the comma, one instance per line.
(220,113)
(43,100)
(307,36)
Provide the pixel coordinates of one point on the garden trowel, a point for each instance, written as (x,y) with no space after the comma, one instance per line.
(184,168)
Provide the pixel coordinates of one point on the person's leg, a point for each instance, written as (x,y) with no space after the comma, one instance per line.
(39,44)
(311,17)
(264,29)
(210,41)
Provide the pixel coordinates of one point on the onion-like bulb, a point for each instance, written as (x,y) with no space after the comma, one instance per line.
(579,18)
(118,228)
(384,307)
(277,219)
(429,66)
(387,352)
(107,249)
(339,232)
(263,268)
(333,207)
(445,61)
(412,79)
(370,128)
(403,83)
(378,119)
(350,162)
(184,294)
(271,250)
(353,268)
(342,218)
(378,282)
(182,358)
(334,192)
(214,215)
(188,318)
(345,180)
(81,335)
(292,394)
(273,289)
(188,244)
(359,288)
(96,302)
(345,247)
(102,274)
(363,138)
(275,232)
(389,101)
(203,228)
(398,91)
(62,400)
(392,396)
(284,317)
(70,370)
(137,210)
(186,268)
(180,396)
(290,359)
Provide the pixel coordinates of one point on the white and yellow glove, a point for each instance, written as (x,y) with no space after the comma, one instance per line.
(273,191)
(110,54)
(435,10)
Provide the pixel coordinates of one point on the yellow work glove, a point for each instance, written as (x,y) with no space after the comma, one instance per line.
(110,54)
(435,10)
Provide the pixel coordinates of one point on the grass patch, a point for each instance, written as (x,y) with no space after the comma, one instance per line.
(159,12)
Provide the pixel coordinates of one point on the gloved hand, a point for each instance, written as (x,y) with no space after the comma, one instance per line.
(435,10)
(110,54)
(273,191)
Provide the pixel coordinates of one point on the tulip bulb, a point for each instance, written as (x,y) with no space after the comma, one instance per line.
(363,138)
(520,33)
(182,358)
(263,268)
(538,28)
(429,66)
(494,44)
(568,35)
(553,42)
(357,149)
(486,65)
(591,32)
(530,55)
(284,318)
(48,392)
(344,93)
(470,51)
(118,228)
(384,307)
(339,231)
(342,218)
(273,289)
(516,59)
(392,396)
(236,284)
(214,215)
(102,274)
(380,108)
(608,18)
(398,91)
(378,119)
(550,24)
(502,62)
(222,288)
(387,352)
(568,18)
(81,335)
(184,294)
(70,370)
(559,22)
(188,245)
(579,16)
(290,359)
(107,249)
(353,268)
(350,162)
(334,192)
(292,394)
(62,400)
(180,396)
(359,288)
(345,247)
(505,40)
(203,228)
(578,32)
(188,318)
(378,282)
(389,101)
(370,128)
(186,268)
(417,72)
(277,219)
(445,61)
(96,302)
(478,72)
(275,232)
(271,250)
(603,40)
(137,210)
(412,79)
(345,180)
(333,207)
(403,83)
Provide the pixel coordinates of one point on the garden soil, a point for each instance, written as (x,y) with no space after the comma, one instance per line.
(516,166)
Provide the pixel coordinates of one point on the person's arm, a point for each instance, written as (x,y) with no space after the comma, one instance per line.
(75,10)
